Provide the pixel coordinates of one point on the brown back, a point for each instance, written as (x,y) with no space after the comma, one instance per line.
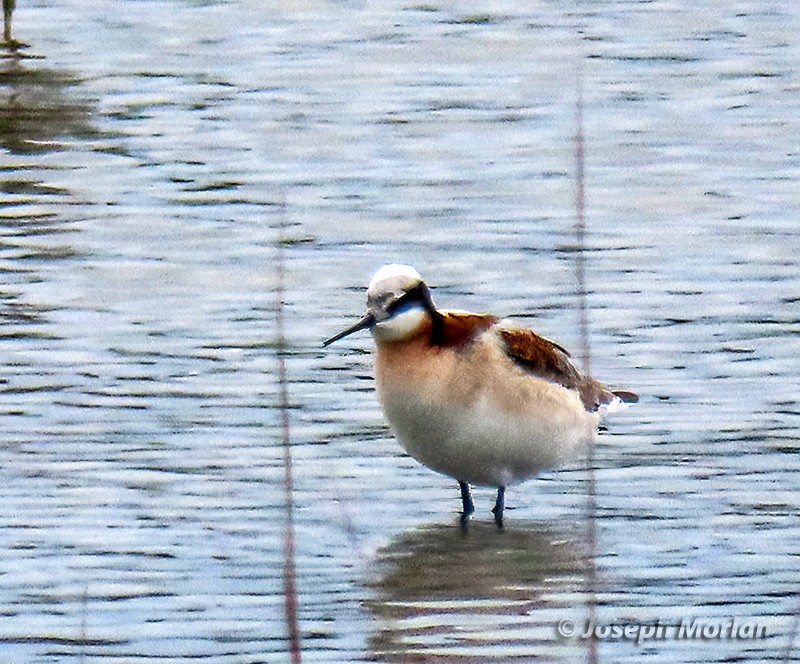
(546,359)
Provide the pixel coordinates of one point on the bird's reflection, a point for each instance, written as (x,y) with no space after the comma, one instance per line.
(442,593)
(39,106)
(40,109)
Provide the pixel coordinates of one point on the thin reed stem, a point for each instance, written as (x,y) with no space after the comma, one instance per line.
(290,602)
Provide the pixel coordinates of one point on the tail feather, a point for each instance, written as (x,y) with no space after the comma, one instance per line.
(625,396)
(597,397)
(615,400)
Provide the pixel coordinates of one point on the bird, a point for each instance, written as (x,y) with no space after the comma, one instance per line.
(472,396)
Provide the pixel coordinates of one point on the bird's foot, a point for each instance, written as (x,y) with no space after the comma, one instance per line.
(499,506)
(12,44)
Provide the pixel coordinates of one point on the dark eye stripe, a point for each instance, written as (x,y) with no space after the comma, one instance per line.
(414,295)
(398,304)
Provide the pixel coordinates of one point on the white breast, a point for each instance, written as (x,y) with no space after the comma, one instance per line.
(484,443)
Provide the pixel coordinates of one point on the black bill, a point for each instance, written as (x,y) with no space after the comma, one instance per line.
(367,320)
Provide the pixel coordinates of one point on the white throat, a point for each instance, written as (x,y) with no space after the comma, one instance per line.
(403,325)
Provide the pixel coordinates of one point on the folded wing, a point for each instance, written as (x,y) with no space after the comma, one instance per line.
(547,360)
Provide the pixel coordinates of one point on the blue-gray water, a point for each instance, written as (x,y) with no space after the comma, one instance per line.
(145,164)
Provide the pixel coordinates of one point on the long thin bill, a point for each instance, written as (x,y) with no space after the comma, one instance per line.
(366,320)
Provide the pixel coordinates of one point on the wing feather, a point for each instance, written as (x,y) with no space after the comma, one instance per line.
(548,360)
(540,356)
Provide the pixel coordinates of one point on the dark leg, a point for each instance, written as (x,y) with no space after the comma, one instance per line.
(467,508)
(8,41)
(8,10)
(499,506)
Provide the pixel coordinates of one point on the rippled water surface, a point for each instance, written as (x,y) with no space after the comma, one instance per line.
(149,153)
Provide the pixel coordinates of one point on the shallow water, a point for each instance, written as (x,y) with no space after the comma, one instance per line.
(146,163)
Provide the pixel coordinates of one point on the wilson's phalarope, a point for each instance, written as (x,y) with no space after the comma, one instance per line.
(472,396)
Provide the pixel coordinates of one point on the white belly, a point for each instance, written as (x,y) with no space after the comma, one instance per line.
(486,443)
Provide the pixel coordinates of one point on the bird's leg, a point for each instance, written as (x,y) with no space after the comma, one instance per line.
(499,506)
(8,41)
(467,508)
(8,10)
